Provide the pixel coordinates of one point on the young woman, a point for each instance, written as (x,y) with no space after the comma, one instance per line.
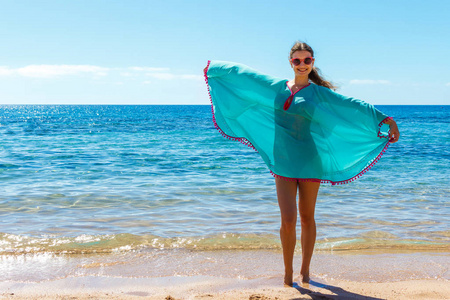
(305,132)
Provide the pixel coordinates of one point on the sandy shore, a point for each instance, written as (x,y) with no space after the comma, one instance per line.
(255,275)
(220,288)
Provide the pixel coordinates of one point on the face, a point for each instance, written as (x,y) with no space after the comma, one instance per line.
(302,69)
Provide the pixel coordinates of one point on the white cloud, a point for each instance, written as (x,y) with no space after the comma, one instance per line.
(52,71)
(170,76)
(194,77)
(163,76)
(48,71)
(368,81)
(5,71)
(448,83)
(149,69)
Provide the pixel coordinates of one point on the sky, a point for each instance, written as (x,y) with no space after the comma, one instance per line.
(154,52)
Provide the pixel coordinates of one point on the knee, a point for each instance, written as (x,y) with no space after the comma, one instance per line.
(288,224)
(307,220)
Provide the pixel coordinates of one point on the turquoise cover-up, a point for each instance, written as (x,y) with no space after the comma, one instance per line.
(315,134)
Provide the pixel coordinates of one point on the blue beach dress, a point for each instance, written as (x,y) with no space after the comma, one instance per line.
(314,134)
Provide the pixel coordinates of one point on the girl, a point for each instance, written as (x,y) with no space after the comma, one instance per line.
(305,132)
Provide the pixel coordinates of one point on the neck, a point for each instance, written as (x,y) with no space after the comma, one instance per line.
(301,80)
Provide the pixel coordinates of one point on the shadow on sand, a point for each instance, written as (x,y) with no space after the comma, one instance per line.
(338,292)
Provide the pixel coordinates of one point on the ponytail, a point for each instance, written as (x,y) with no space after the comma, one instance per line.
(316,77)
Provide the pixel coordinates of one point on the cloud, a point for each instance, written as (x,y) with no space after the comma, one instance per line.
(171,76)
(149,69)
(369,81)
(163,73)
(126,74)
(448,83)
(194,77)
(49,71)
(163,76)
(52,71)
(46,71)
(5,71)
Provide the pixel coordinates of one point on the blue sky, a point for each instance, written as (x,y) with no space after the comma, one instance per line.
(153,52)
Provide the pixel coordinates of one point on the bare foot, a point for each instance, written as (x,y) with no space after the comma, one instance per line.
(288,279)
(305,278)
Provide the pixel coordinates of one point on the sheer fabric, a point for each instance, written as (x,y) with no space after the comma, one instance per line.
(315,134)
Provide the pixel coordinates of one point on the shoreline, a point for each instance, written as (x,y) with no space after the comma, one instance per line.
(232,274)
(204,287)
(356,265)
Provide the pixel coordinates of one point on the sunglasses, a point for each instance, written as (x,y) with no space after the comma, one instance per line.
(297,61)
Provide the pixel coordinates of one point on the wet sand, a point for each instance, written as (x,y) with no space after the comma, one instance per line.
(182,274)
(222,288)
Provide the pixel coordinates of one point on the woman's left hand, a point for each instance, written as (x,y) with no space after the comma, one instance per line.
(394,133)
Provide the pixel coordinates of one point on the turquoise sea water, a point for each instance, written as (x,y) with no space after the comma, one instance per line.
(107,178)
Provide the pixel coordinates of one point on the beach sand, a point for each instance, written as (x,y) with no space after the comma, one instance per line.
(220,288)
(232,274)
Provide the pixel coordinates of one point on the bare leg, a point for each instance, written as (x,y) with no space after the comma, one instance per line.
(307,204)
(287,194)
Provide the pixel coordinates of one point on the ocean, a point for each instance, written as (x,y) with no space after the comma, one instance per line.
(107,179)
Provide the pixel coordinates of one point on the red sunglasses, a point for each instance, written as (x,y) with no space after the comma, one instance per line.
(297,61)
